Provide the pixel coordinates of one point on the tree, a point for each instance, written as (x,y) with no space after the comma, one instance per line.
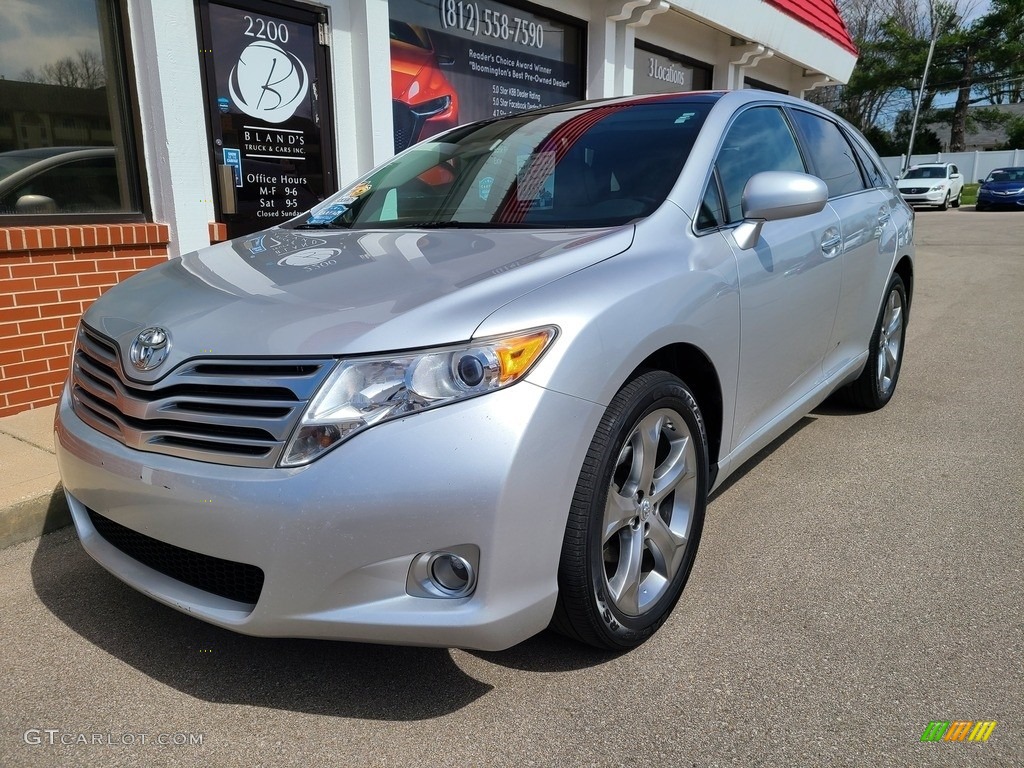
(892,37)
(979,61)
(1003,74)
(975,55)
(85,70)
(1015,133)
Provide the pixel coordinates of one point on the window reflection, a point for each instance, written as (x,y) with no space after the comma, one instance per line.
(64,141)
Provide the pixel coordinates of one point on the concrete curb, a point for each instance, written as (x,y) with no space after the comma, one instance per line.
(33,517)
(32,501)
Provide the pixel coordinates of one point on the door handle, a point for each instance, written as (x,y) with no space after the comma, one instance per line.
(883,216)
(830,242)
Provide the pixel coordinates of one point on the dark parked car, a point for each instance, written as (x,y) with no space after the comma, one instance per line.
(1003,188)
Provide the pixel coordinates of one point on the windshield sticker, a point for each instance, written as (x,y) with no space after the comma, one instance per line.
(484,186)
(330,213)
(685,117)
(359,190)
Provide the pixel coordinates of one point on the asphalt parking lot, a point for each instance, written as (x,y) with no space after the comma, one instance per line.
(857,581)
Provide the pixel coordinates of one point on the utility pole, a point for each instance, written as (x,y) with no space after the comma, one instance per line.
(924,79)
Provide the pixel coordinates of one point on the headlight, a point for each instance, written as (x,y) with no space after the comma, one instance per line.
(432,107)
(365,391)
(937,188)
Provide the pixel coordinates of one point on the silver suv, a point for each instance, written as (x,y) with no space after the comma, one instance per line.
(488,387)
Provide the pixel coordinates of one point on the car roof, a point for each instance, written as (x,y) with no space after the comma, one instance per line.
(40,153)
(682,97)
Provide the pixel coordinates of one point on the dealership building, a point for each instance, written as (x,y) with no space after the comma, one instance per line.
(132,131)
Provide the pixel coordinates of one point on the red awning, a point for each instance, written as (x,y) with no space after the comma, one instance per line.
(820,15)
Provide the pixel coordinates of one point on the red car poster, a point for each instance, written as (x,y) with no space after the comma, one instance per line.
(454,62)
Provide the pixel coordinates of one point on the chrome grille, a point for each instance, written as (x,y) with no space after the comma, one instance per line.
(407,125)
(219,410)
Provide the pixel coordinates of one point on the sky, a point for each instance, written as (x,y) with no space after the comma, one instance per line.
(45,32)
(976,8)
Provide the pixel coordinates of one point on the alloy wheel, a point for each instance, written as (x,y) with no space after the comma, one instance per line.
(649,510)
(890,342)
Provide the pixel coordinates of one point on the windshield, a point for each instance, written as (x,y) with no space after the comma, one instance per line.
(597,166)
(926,173)
(1006,174)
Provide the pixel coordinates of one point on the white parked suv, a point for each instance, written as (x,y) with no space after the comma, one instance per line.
(938,184)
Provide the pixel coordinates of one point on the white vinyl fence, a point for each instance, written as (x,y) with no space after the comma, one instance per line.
(973,165)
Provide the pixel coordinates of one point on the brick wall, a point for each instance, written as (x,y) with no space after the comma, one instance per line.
(48,277)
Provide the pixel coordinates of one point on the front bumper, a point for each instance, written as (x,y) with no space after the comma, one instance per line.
(1000,201)
(335,539)
(927,198)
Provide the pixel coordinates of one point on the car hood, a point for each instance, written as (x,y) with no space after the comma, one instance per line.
(324,293)
(1002,186)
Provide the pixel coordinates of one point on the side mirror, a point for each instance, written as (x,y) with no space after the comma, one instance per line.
(776,195)
(981,181)
(35,204)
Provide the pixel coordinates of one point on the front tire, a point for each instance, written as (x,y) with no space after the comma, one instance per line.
(636,517)
(877,383)
(960,194)
(944,205)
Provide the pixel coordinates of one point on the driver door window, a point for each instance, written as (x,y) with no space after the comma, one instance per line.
(759,140)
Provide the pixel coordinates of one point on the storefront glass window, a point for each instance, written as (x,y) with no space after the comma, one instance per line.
(656,70)
(456,62)
(65,131)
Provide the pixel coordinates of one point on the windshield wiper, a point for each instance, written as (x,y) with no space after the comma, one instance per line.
(325,225)
(437,224)
(455,224)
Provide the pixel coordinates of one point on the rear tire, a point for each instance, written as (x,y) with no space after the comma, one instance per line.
(877,382)
(636,516)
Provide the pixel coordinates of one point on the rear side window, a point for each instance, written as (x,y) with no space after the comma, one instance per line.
(875,174)
(830,153)
(759,140)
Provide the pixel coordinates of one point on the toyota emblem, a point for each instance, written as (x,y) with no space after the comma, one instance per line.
(149,349)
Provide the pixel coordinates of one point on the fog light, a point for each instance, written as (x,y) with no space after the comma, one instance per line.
(451,573)
(447,573)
